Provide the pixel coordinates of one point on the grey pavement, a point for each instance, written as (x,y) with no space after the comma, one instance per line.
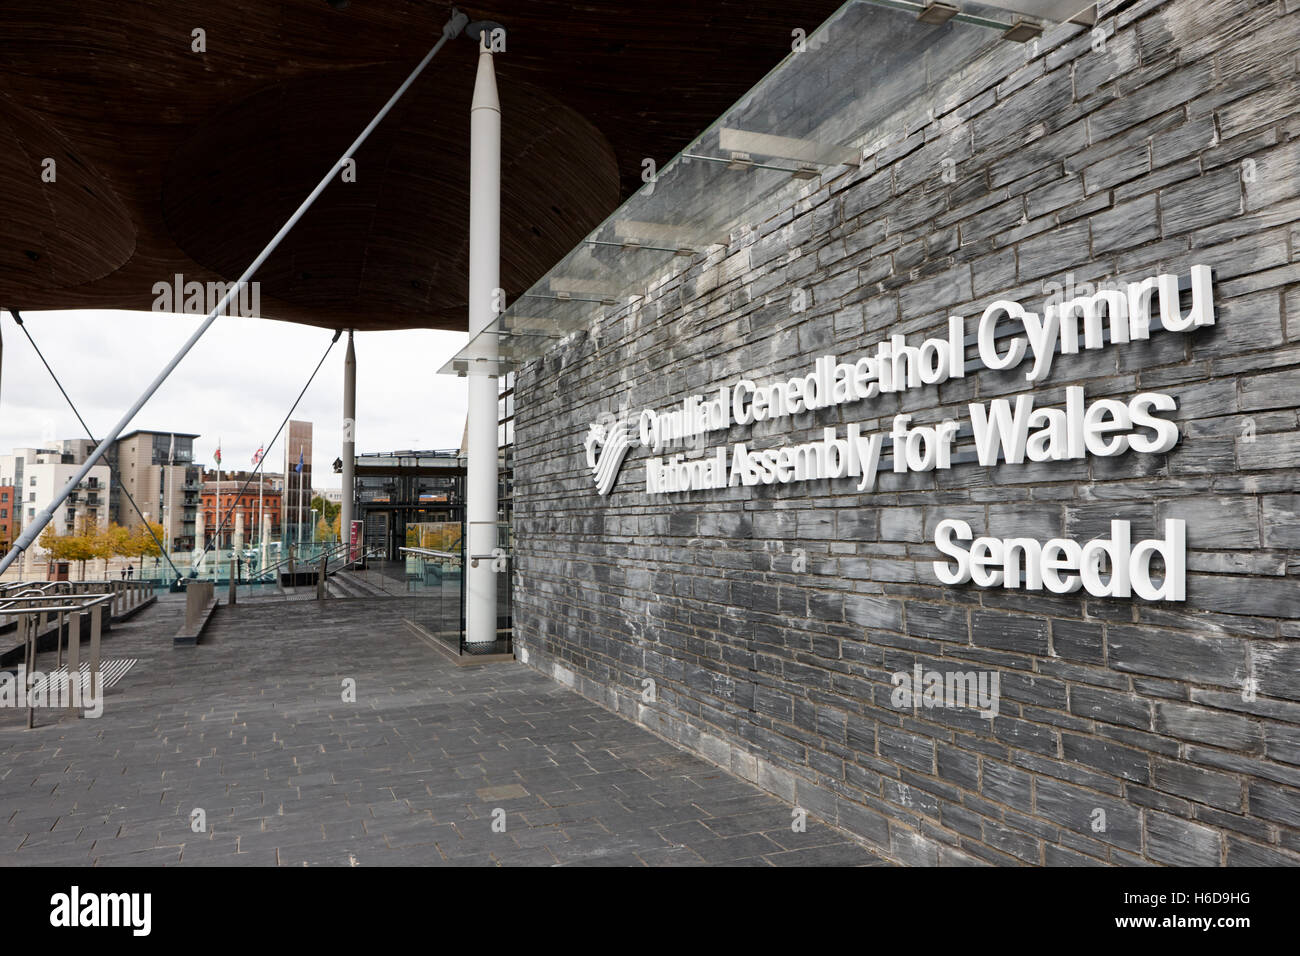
(251,728)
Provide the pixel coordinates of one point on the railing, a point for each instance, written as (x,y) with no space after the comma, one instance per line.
(35,607)
(440,581)
(250,572)
(300,570)
(436,579)
(124,595)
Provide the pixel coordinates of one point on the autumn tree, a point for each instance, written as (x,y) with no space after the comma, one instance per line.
(56,546)
(143,543)
(80,546)
(113,542)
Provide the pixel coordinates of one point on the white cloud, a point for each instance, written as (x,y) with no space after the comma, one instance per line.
(236,384)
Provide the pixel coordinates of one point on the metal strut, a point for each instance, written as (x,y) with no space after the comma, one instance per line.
(452,28)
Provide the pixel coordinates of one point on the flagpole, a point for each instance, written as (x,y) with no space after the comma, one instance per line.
(261,523)
(171,461)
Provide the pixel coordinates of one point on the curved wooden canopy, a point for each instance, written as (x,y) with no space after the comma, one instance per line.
(170,161)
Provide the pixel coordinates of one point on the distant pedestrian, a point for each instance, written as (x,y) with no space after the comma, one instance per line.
(124,574)
(130,571)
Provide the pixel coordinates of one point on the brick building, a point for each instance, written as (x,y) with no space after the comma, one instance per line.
(230,494)
(9,517)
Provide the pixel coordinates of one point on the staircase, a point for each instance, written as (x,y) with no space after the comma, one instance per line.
(345,584)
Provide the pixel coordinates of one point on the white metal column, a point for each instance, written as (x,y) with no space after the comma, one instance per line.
(349,440)
(484,279)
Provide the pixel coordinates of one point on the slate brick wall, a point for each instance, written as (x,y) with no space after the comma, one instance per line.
(1179,143)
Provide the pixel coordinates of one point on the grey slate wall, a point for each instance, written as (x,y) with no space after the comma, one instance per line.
(1112,164)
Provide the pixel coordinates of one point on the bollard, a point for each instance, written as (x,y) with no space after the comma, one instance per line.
(231,600)
(96,625)
(96,628)
(74,661)
(197,596)
(320,579)
(192,602)
(30,654)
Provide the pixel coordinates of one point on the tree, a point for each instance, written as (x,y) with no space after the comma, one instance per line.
(143,543)
(113,542)
(56,545)
(328,510)
(80,546)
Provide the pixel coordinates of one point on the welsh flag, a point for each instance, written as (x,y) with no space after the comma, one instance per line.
(217,456)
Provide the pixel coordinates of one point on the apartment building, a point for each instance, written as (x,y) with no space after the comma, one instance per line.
(157,468)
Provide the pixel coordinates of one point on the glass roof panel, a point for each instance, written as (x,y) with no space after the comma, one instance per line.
(872,77)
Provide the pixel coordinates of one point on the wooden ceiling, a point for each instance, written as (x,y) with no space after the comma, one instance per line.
(172,161)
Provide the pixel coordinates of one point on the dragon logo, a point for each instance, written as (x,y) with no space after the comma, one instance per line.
(607,445)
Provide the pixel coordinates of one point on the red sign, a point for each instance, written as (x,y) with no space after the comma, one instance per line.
(354,541)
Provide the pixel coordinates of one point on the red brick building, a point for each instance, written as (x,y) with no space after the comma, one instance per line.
(232,492)
(8,517)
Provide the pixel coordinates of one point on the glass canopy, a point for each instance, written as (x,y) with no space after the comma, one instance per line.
(875,73)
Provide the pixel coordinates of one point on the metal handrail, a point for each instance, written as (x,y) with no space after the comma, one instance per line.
(370,553)
(430,553)
(271,572)
(86,600)
(33,613)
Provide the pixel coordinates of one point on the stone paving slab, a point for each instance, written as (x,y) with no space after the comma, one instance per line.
(252,728)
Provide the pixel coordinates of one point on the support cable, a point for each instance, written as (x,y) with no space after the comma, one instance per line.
(194,570)
(452,28)
(148,527)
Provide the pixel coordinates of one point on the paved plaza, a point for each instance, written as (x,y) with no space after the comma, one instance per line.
(252,730)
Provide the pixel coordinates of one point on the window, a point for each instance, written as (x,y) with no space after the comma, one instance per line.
(4,512)
(33,481)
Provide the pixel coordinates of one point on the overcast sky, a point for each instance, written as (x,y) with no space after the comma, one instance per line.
(236,384)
